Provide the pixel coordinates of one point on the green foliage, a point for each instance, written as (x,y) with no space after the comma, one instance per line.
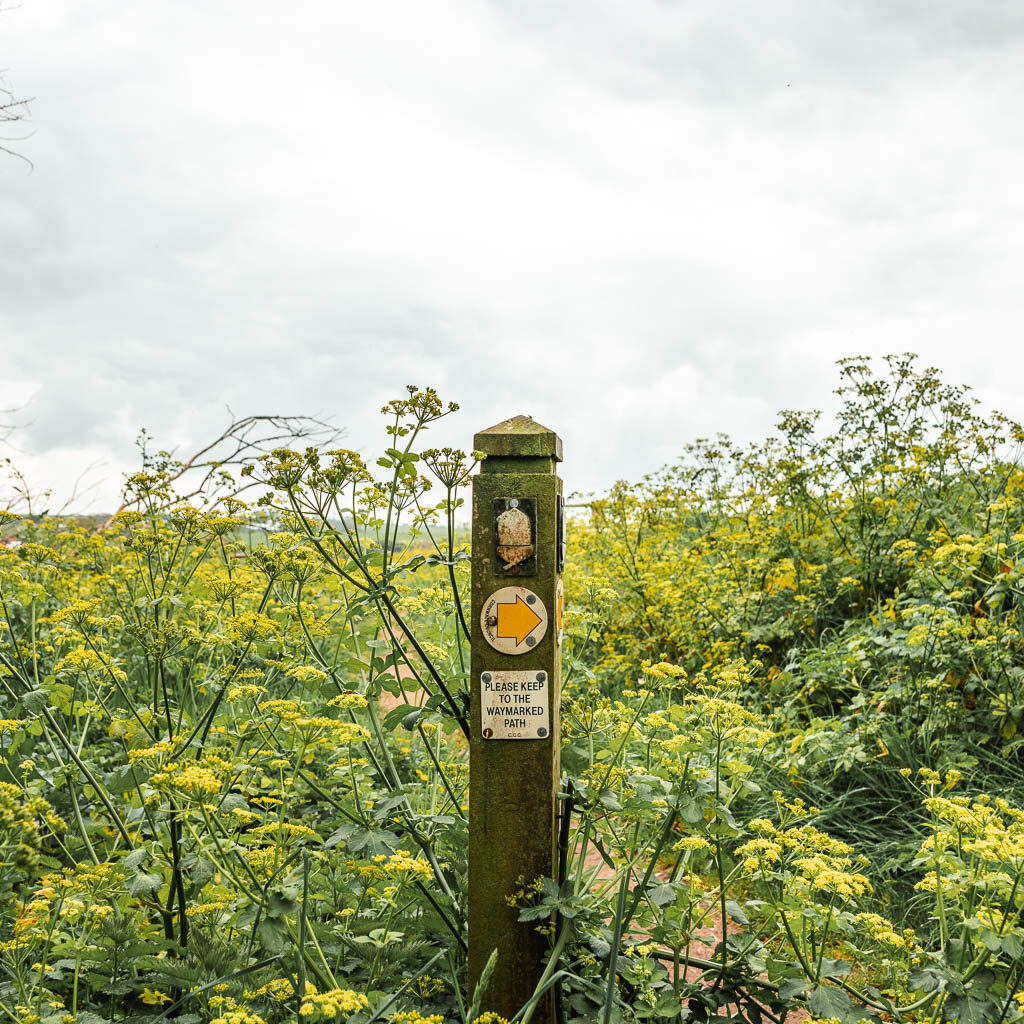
(211,807)
(867,582)
(233,778)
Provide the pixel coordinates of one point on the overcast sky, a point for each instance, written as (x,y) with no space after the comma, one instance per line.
(639,222)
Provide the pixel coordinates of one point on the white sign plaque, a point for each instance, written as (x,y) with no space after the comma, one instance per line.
(514,705)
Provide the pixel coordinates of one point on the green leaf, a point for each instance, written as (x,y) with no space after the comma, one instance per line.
(135,859)
(732,908)
(794,988)
(923,979)
(123,779)
(234,802)
(279,906)
(373,840)
(35,701)
(410,720)
(534,913)
(397,715)
(117,988)
(142,883)
(202,871)
(691,812)
(835,968)
(829,1001)
(271,935)
(661,894)
(88,1017)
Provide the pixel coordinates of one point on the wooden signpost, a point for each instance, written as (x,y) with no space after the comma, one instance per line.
(515,683)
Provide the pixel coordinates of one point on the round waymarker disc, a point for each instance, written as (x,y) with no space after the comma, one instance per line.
(514,620)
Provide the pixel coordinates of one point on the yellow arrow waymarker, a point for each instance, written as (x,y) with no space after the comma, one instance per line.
(513,620)
(516,621)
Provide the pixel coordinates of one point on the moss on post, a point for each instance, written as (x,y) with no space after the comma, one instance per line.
(513,782)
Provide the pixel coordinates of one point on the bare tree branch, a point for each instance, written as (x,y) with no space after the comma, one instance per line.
(79,490)
(13,110)
(21,493)
(207,471)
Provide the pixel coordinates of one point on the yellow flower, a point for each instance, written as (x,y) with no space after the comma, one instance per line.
(191,778)
(154,997)
(691,843)
(332,1003)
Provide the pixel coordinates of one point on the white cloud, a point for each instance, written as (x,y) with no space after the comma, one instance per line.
(640,222)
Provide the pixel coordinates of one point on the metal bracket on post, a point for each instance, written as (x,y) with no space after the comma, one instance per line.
(515,686)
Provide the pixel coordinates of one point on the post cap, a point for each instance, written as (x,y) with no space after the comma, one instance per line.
(520,435)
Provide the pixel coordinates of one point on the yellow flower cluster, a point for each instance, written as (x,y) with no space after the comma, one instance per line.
(214,906)
(691,844)
(245,690)
(662,670)
(283,829)
(426,986)
(291,711)
(810,859)
(20,834)
(77,896)
(883,931)
(349,700)
(250,627)
(232,1011)
(402,861)
(332,1003)
(163,747)
(238,1016)
(975,853)
(280,990)
(828,875)
(81,659)
(193,779)
(305,673)
(262,859)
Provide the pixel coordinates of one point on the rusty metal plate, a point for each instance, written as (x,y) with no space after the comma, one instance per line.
(560,536)
(515,536)
(514,705)
(559,611)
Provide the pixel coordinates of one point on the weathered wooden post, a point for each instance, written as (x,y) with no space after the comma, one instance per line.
(518,549)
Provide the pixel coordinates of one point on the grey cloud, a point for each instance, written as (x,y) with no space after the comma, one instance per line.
(743,52)
(656,220)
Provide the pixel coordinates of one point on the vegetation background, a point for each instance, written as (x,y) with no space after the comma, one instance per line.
(233,776)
